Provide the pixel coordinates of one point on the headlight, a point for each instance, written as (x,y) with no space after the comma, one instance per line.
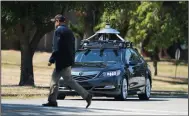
(111,73)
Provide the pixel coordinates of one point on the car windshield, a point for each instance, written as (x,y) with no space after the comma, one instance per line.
(108,55)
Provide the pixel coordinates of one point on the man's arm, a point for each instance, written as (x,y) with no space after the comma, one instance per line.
(52,59)
(55,47)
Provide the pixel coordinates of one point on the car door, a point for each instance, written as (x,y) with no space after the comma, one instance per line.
(131,70)
(138,68)
(142,63)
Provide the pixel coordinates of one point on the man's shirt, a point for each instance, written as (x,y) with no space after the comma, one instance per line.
(63,48)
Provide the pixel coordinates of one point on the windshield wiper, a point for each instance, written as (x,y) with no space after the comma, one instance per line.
(100,64)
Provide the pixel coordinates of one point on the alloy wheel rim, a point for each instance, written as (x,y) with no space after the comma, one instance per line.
(148,88)
(124,88)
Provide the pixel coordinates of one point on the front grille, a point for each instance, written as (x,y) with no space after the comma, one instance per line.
(83,78)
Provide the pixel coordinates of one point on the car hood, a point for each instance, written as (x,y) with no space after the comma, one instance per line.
(94,68)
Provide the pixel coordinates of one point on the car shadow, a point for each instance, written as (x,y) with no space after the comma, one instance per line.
(132,100)
(129,99)
(155,97)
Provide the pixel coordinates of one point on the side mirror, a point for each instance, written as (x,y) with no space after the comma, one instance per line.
(126,65)
(132,63)
(136,50)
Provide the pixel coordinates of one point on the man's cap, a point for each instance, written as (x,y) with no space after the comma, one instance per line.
(58,17)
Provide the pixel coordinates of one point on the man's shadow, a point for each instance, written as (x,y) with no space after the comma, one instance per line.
(27,109)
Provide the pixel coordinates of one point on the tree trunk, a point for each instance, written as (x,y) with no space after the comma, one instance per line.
(26,76)
(88,21)
(28,43)
(27,53)
(155,59)
(155,67)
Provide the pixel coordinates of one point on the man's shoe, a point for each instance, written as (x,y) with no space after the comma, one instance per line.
(89,99)
(51,104)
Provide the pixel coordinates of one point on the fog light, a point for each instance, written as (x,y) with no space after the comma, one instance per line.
(109,87)
(62,87)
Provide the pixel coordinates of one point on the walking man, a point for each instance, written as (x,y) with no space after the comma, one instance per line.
(63,56)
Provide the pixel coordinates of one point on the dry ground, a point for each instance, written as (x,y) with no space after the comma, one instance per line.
(10,73)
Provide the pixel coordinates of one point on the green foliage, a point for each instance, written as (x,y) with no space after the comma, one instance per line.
(118,14)
(37,13)
(111,18)
(77,29)
(153,21)
(161,22)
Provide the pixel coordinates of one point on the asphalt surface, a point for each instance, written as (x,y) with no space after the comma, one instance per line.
(100,106)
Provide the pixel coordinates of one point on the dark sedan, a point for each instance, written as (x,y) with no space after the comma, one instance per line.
(110,72)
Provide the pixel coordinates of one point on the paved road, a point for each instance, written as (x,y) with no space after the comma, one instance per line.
(99,106)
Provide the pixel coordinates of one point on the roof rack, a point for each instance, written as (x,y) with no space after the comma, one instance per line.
(105,31)
(103,42)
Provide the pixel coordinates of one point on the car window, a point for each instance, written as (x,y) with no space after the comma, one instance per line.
(140,56)
(127,56)
(94,56)
(135,56)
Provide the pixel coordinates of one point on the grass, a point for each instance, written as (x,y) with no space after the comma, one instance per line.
(10,73)
(168,69)
(170,84)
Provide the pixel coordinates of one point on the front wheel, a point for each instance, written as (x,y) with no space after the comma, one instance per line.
(146,95)
(124,90)
(61,96)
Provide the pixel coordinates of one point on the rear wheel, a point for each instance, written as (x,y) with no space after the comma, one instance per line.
(124,90)
(146,95)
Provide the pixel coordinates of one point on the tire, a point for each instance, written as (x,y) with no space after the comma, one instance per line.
(146,95)
(61,96)
(124,90)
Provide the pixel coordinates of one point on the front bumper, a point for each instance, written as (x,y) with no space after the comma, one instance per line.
(106,86)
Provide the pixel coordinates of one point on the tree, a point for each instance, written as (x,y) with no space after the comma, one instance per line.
(118,14)
(93,15)
(158,24)
(29,21)
(179,10)
(90,15)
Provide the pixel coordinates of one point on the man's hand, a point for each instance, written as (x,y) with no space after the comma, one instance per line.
(49,64)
